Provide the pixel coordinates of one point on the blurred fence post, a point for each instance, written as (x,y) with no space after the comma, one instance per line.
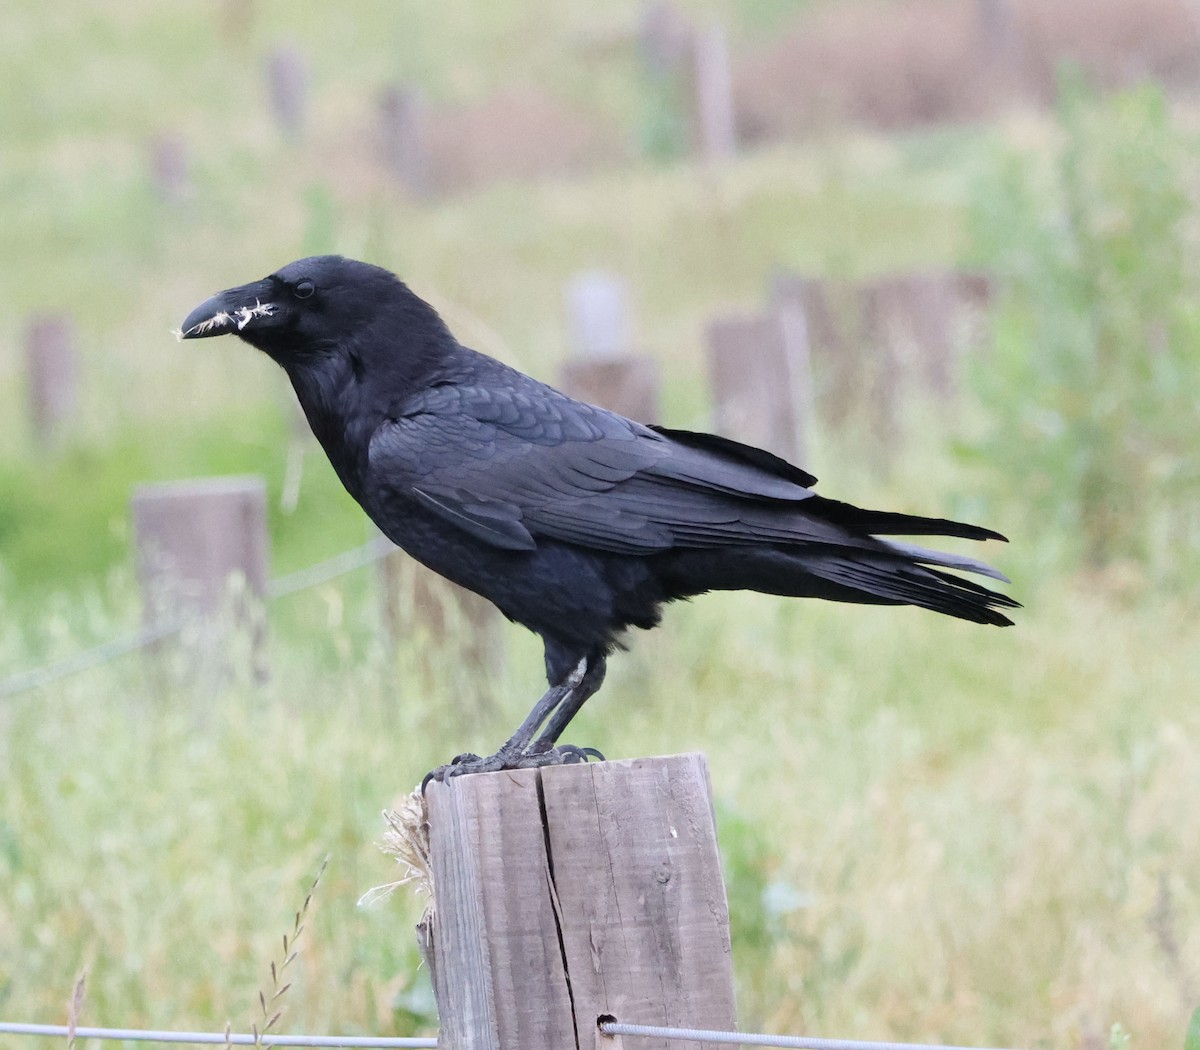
(830,312)
(873,343)
(202,553)
(759,374)
(603,371)
(664,37)
(598,314)
(715,131)
(170,168)
(571,893)
(628,385)
(880,372)
(287,85)
(403,139)
(916,325)
(997,33)
(666,49)
(52,375)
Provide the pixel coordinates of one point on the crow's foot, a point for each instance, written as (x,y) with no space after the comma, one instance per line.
(567,754)
(534,758)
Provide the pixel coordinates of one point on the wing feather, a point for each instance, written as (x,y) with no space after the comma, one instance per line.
(513,466)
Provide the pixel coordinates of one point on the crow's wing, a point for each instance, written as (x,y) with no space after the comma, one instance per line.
(513,464)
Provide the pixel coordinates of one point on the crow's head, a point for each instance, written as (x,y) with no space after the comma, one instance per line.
(310,308)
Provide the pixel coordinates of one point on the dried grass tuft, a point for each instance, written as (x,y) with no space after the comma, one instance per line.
(407,840)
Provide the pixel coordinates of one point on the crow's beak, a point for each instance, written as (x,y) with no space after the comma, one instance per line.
(229,311)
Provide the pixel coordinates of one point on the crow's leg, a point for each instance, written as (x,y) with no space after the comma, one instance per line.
(553,700)
(521,751)
(593,678)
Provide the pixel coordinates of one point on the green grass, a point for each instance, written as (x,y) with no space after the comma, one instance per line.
(931,831)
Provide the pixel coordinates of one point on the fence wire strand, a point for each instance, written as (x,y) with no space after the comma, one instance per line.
(800,1042)
(282,587)
(608,1028)
(330,569)
(146,1035)
(27,681)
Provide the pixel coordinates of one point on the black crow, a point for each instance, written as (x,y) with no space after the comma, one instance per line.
(574,521)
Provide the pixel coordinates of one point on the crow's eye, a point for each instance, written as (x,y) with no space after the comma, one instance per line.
(304,289)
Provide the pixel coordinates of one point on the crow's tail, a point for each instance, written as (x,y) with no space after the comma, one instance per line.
(897,577)
(847,553)
(892,571)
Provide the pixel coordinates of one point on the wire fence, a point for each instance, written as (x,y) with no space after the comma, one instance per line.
(282,587)
(292,583)
(608,1028)
(27,681)
(342,564)
(801,1042)
(323,572)
(149,1035)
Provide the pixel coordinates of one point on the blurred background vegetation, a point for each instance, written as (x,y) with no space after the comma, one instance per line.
(931,831)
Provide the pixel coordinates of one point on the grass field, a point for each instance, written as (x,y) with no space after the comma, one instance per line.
(931,831)
(970,836)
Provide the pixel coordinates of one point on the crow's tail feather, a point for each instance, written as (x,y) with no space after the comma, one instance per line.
(894,577)
(890,523)
(926,556)
(895,571)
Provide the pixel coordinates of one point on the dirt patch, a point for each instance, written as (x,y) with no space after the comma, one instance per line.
(520,133)
(889,64)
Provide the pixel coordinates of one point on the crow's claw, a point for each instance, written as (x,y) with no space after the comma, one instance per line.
(462,764)
(571,753)
(535,758)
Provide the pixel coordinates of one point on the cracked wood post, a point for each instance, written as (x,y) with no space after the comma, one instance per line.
(573,892)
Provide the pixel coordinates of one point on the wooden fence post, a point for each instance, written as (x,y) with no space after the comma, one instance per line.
(193,540)
(831,312)
(598,314)
(629,385)
(875,342)
(287,85)
(52,370)
(758,368)
(573,892)
(405,147)
(882,374)
(603,371)
(664,37)
(917,324)
(1000,45)
(170,168)
(715,129)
